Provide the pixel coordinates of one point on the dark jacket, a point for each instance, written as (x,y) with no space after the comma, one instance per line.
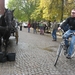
(34,25)
(70,21)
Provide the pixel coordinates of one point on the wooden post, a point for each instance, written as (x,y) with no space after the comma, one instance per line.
(2,7)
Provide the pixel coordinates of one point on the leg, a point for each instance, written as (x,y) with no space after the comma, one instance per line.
(44,29)
(71,47)
(66,36)
(33,30)
(13,33)
(36,31)
(6,40)
(16,37)
(54,34)
(6,45)
(28,30)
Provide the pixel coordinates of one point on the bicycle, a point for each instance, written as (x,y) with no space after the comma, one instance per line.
(61,47)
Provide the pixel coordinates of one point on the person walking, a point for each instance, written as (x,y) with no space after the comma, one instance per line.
(34,27)
(41,28)
(71,22)
(54,30)
(29,25)
(20,26)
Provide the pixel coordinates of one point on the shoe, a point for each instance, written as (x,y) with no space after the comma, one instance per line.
(65,52)
(73,54)
(68,57)
(54,40)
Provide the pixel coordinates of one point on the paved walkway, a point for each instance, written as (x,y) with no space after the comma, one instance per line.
(35,55)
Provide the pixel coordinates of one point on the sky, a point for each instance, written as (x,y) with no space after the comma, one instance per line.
(6,1)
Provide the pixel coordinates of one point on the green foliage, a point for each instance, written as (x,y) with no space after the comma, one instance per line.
(23,8)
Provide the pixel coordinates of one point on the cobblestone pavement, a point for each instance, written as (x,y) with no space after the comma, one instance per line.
(35,55)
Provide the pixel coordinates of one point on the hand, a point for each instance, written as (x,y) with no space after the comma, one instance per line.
(59,28)
(74,33)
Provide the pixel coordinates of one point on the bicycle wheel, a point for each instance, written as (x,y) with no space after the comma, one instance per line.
(59,52)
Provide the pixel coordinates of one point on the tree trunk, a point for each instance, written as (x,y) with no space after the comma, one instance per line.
(62,10)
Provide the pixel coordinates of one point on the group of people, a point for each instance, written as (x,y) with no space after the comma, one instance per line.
(43,26)
(36,25)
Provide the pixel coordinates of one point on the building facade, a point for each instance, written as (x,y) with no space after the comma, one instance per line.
(2,7)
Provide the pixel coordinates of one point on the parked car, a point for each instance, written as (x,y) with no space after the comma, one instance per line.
(24,25)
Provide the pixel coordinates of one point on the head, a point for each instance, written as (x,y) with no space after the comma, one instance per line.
(54,20)
(73,13)
(8,16)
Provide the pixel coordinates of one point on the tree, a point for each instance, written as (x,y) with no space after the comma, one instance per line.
(23,8)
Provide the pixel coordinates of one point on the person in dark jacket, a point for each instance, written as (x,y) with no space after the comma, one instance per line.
(29,25)
(71,22)
(34,27)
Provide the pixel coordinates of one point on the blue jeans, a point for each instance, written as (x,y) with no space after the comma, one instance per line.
(34,31)
(28,30)
(72,42)
(54,34)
